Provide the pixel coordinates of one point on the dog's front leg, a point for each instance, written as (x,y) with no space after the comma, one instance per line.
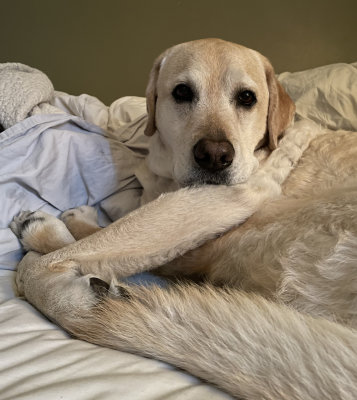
(61,283)
(181,221)
(162,230)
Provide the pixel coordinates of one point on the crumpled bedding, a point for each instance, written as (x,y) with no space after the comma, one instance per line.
(60,151)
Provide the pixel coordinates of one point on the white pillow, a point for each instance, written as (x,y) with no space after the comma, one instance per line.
(326,95)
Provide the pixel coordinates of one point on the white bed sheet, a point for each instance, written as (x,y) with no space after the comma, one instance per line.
(39,361)
(55,162)
(87,153)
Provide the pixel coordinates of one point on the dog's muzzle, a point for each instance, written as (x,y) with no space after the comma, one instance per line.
(213,156)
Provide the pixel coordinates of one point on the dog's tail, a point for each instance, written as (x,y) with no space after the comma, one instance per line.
(244,344)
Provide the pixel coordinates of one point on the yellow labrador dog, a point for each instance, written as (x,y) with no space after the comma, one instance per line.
(266,213)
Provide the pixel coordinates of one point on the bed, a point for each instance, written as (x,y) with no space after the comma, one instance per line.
(59,151)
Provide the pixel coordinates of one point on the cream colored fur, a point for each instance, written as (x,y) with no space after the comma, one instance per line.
(297,253)
(215,70)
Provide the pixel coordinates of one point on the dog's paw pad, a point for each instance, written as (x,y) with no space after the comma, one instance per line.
(40,231)
(84,213)
(22,222)
(100,287)
(103,289)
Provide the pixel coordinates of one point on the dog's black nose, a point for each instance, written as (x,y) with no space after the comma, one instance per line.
(212,155)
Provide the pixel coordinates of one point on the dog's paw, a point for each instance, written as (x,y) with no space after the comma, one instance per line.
(85,214)
(41,232)
(81,221)
(23,220)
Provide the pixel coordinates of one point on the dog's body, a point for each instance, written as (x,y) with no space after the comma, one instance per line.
(216,112)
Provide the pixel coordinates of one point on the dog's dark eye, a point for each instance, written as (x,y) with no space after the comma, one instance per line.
(182,93)
(246,98)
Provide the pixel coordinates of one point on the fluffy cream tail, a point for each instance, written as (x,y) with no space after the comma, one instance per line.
(249,347)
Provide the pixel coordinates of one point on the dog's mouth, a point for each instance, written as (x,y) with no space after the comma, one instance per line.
(199,178)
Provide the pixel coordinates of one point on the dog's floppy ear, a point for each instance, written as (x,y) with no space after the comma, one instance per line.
(151,95)
(281,108)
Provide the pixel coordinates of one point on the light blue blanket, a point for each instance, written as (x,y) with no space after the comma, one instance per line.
(59,161)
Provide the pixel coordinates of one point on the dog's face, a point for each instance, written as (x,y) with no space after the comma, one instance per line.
(211,104)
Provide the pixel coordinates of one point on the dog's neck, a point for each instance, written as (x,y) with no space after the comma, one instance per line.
(159,159)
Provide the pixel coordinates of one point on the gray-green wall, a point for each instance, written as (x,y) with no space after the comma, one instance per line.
(105,47)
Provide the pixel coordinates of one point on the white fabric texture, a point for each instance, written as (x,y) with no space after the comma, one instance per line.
(74,150)
(326,95)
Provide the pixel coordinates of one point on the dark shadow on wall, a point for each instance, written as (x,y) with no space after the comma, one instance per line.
(105,48)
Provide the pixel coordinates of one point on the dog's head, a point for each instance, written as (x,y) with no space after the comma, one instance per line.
(211,104)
